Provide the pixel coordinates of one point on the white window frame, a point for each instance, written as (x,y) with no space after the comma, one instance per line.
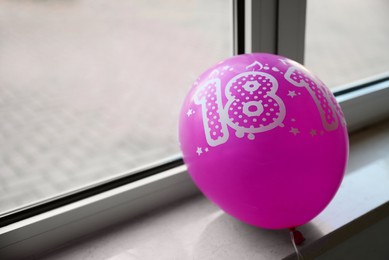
(270,26)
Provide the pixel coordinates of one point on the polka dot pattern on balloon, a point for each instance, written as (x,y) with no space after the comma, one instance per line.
(323,101)
(209,97)
(250,94)
(253,105)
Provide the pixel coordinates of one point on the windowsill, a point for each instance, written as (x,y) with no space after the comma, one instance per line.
(196,229)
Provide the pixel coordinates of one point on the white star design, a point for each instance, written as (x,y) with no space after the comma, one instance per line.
(294,131)
(292,94)
(190,112)
(199,151)
(206,149)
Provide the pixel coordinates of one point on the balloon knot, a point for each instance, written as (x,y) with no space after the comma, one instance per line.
(297,236)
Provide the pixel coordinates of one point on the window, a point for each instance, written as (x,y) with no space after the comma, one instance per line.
(346,41)
(272,26)
(92,89)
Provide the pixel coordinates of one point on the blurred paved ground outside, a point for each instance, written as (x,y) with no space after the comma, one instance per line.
(92,88)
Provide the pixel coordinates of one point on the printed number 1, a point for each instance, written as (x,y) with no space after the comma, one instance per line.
(214,117)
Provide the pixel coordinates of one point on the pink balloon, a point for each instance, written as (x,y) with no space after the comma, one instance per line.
(264,139)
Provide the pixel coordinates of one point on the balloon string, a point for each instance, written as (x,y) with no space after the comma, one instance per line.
(293,239)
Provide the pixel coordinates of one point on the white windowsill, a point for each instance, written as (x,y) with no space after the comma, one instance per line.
(196,229)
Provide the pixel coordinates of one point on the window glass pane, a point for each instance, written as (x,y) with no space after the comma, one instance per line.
(347,40)
(92,88)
